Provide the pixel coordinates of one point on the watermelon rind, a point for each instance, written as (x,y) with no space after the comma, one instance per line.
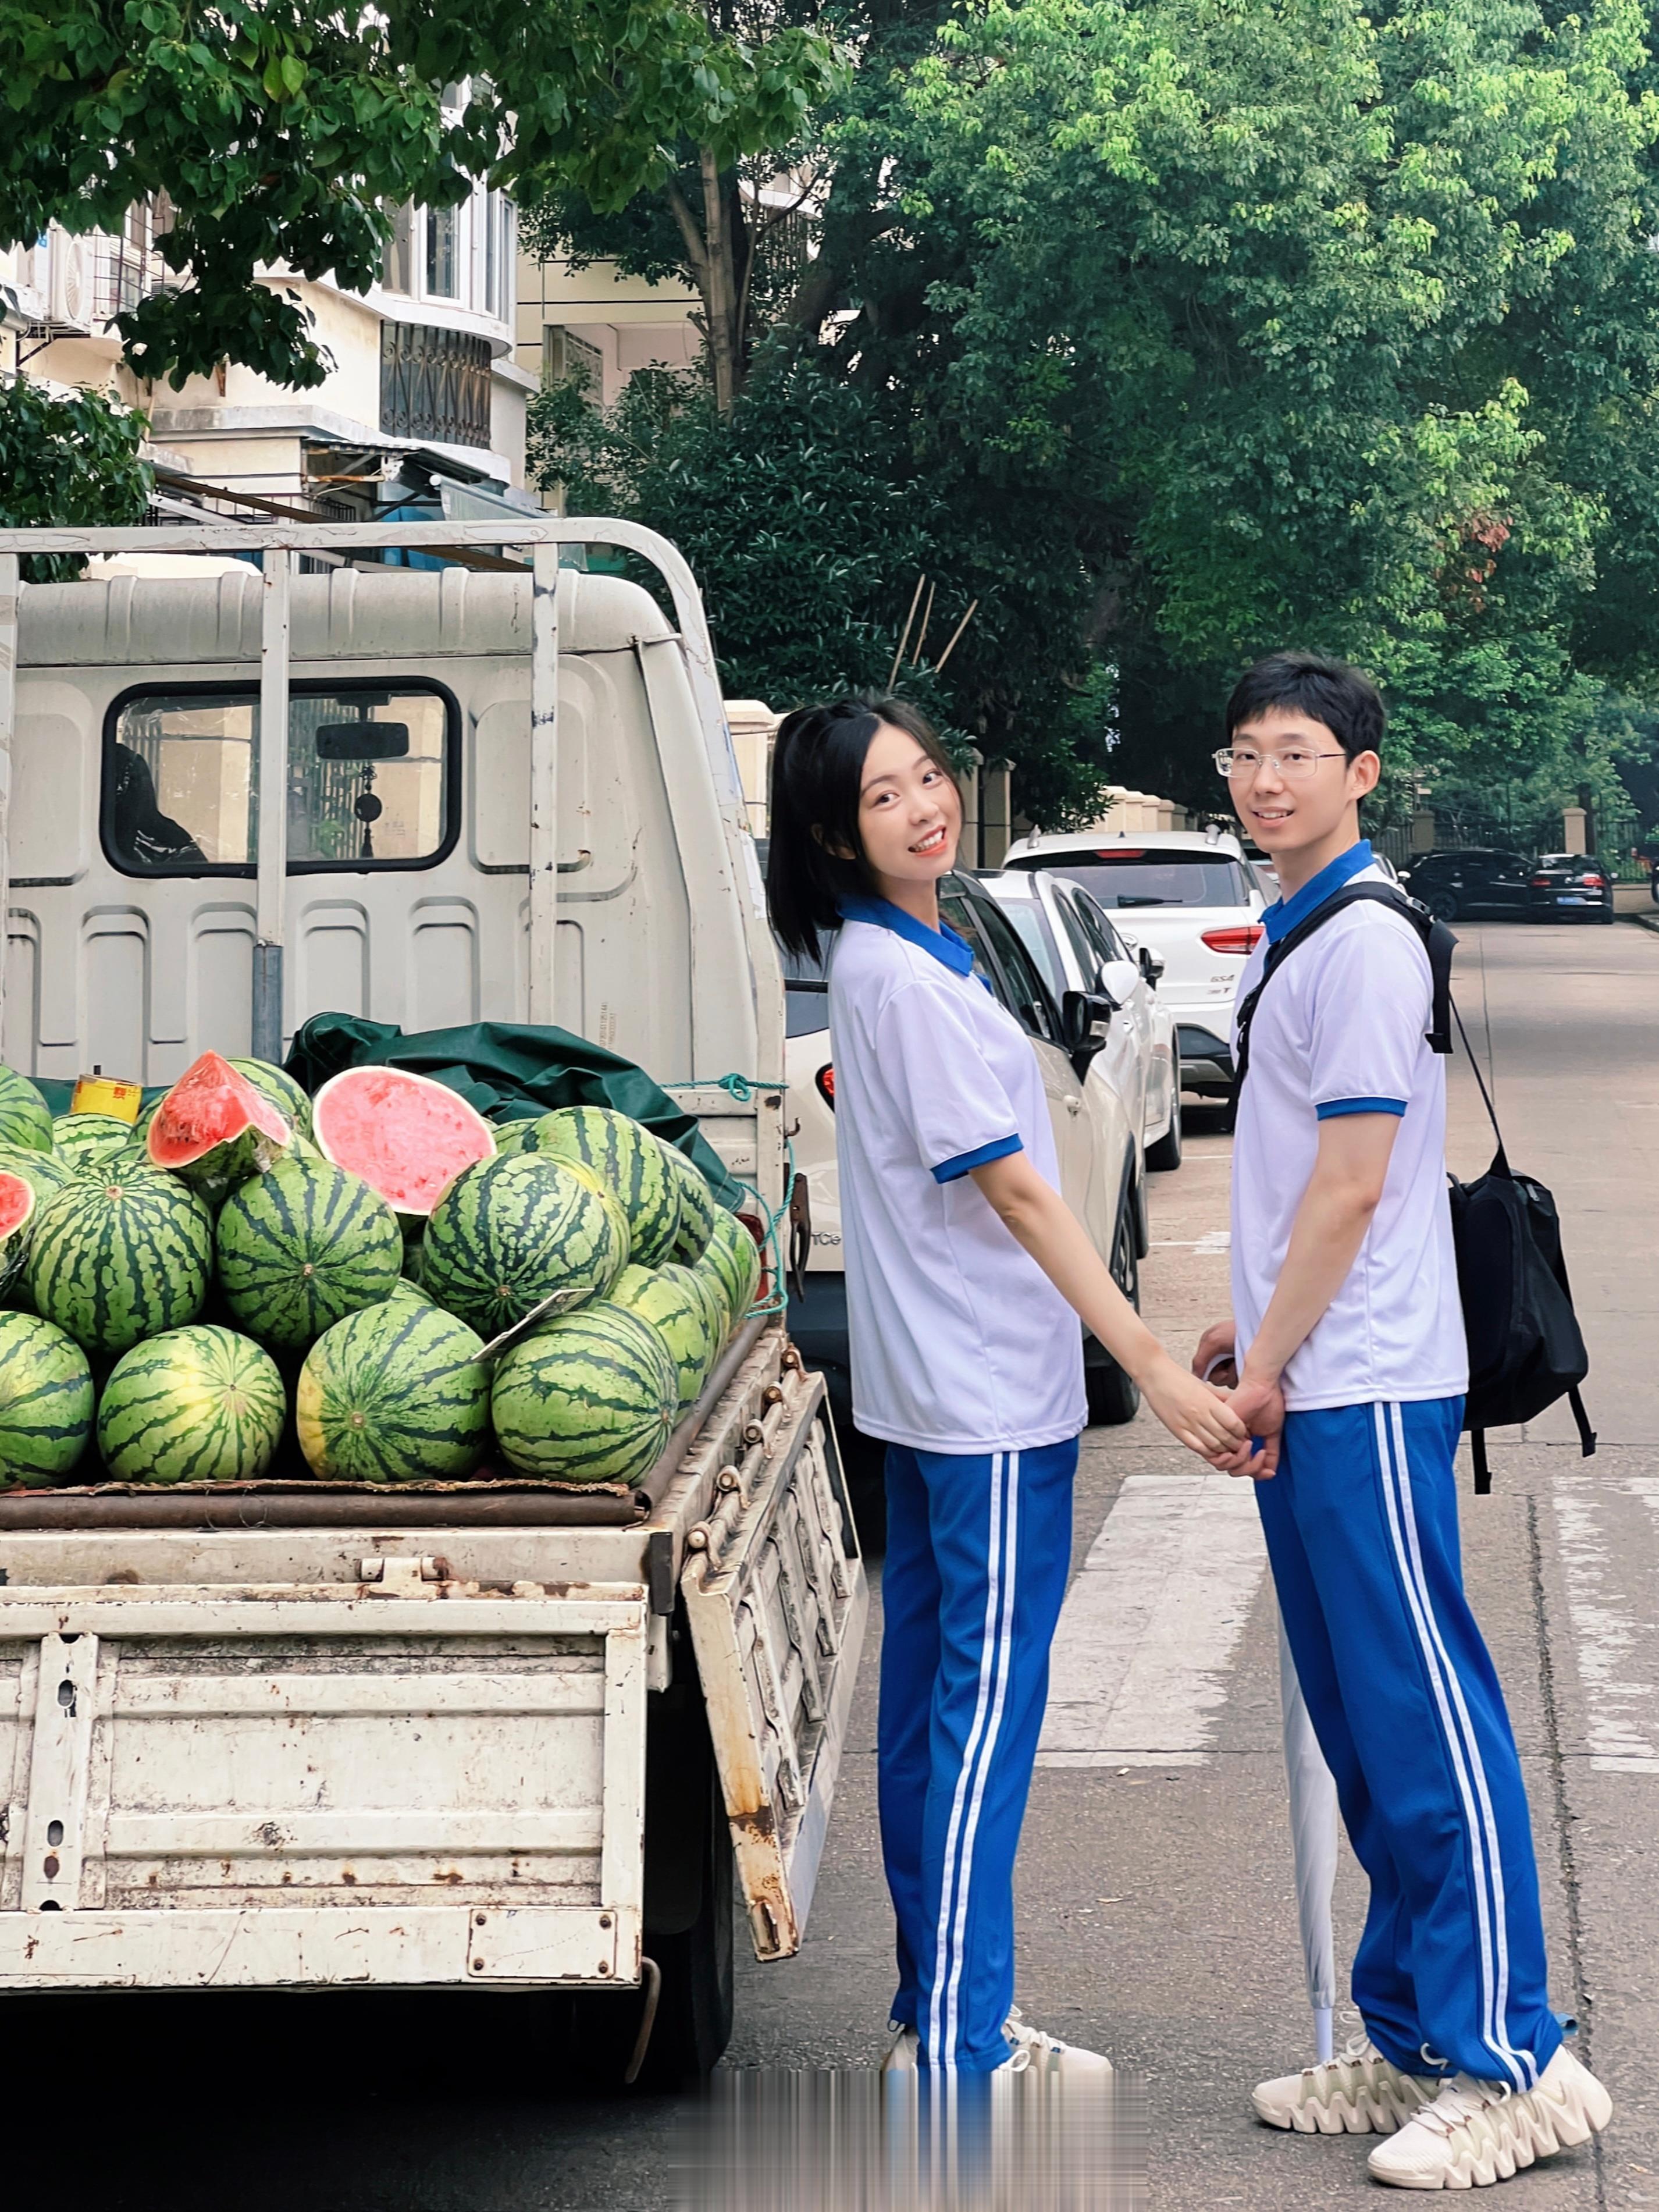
(84,1142)
(590,1398)
(299,1248)
(192,1405)
(116,1261)
(406,1135)
(17,1204)
(278,1089)
(25,1117)
(44,1172)
(394,1394)
(698,1206)
(46,1400)
(214,1129)
(731,1260)
(675,1304)
(509,1233)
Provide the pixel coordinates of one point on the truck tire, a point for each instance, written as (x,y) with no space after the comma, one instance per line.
(695,2005)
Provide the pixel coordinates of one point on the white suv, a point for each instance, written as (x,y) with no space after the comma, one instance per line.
(1193,900)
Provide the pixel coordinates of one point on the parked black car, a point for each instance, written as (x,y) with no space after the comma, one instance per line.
(1482,880)
(1570,886)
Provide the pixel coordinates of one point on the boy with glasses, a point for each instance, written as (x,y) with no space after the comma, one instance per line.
(1347,1337)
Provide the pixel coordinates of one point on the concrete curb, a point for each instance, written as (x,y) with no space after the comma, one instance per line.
(1649,921)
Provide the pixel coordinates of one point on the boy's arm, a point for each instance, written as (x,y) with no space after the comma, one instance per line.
(1349,1170)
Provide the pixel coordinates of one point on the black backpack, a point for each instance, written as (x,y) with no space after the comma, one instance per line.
(1525,1346)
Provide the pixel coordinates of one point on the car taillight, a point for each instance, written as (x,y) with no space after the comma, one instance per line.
(825,1079)
(1595,882)
(1243,938)
(1541,883)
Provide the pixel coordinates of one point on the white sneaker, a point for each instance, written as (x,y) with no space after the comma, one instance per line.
(902,2050)
(1358,2093)
(1475,2133)
(1045,2054)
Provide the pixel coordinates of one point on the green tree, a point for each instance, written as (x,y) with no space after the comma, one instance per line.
(72,461)
(285,131)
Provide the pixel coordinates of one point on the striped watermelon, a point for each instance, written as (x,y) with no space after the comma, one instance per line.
(84,1142)
(508,1233)
(116,1260)
(214,1129)
(590,1398)
(405,1135)
(192,1405)
(25,1117)
(731,1261)
(698,1206)
(44,1172)
(627,1160)
(299,1248)
(46,1400)
(278,1089)
(675,1304)
(394,1394)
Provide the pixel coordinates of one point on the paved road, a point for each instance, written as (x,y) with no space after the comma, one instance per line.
(1157,1915)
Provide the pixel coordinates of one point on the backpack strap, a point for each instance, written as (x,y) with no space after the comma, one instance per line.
(1438,943)
(1482,1466)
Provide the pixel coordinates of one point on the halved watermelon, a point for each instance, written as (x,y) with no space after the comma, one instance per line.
(405,1135)
(16,1204)
(214,1129)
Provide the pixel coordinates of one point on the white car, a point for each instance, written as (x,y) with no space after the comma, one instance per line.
(1079,951)
(1191,899)
(1098,1133)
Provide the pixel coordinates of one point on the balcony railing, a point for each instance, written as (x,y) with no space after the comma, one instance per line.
(435,384)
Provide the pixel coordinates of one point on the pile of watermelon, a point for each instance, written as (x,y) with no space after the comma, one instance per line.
(376,1274)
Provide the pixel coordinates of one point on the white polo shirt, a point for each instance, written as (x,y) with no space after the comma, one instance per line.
(959,1342)
(1340,1029)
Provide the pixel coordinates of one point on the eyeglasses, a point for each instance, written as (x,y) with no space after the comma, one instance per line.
(1240,764)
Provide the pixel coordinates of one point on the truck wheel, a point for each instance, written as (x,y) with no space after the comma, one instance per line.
(694,2008)
(1113,1398)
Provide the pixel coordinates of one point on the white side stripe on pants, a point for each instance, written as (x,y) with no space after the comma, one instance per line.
(937,2054)
(1004,1648)
(1461,1747)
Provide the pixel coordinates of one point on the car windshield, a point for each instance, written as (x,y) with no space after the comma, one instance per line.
(806,993)
(1137,876)
(1032,927)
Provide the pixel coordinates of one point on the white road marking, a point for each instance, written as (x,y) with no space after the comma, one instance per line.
(1621,1715)
(1151,1623)
(1213,1240)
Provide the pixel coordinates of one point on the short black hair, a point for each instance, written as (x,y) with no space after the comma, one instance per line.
(817,772)
(1330,691)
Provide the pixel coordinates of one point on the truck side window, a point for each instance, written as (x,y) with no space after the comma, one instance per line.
(372,779)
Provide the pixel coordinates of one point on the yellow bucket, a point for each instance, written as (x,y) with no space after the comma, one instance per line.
(96,1094)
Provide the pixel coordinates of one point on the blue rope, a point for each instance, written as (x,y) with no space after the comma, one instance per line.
(743,1089)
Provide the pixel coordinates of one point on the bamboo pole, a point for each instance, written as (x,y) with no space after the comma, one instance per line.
(955,635)
(904,640)
(921,634)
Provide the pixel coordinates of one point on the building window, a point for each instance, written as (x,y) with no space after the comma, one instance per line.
(399,273)
(566,359)
(435,384)
(371,779)
(442,252)
(501,240)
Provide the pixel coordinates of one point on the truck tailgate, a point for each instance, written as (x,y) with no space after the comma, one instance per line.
(409,1781)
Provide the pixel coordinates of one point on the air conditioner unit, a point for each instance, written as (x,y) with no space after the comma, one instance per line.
(68,284)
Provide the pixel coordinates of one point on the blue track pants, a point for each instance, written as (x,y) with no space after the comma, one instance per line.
(977,1554)
(1361,1523)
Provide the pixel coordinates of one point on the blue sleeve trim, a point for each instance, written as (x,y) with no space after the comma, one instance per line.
(1333,1107)
(965,1162)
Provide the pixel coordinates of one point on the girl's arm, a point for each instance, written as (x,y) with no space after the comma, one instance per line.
(1038,1217)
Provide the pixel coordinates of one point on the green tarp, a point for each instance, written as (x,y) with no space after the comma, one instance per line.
(509,1072)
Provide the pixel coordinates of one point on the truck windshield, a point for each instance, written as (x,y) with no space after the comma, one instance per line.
(1146,878)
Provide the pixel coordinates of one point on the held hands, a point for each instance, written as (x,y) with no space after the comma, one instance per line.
(1258,1403)
(1197,1416)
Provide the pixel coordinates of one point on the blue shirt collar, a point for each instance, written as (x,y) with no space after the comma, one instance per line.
(943,943)
(1284,914)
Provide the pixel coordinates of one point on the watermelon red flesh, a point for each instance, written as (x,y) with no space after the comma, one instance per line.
(16,1203)
(209,1106)
(405,1135)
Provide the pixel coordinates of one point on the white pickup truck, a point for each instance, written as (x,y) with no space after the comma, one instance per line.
(469,1735)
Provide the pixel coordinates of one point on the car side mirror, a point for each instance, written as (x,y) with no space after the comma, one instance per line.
(1119,981)
(1151,966)
(1085,1019)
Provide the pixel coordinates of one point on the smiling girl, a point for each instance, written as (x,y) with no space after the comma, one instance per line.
(966,1276)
